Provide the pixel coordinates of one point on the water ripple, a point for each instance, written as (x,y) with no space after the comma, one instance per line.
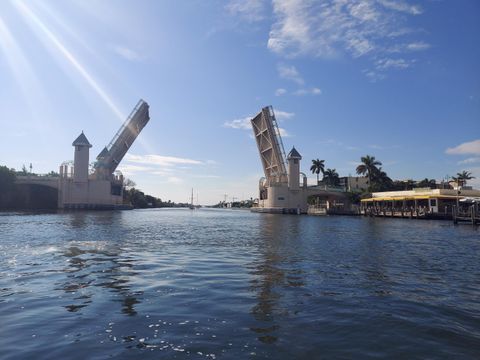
(232,284)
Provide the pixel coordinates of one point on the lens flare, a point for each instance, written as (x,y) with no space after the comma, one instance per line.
(30,17)
(33,97)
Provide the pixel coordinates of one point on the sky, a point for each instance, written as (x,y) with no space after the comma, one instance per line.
(395,79)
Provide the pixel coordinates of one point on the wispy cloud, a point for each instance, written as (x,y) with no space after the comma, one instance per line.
(170,169)
(311,91)
(289,72)
(160,160)
(249,10)
(283,115)
(284,133)
(417,46)
(402,6)
(472,160)
(388,63)
(126,53)
(243,123)
(471,147)
(330,28)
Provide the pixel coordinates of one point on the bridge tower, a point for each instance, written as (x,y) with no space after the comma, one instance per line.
(293,159)
(81,156)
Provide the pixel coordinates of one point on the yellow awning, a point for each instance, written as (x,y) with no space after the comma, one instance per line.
(410,197)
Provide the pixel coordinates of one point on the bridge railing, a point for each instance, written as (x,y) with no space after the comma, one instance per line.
(328,188)
(39,177)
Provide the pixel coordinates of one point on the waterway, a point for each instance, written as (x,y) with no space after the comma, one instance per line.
(220,284)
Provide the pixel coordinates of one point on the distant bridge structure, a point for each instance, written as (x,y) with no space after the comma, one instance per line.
(102,189)
(283,188)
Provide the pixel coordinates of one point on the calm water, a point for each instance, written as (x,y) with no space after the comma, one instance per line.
(224,284)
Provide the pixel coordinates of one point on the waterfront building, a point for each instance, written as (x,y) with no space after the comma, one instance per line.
(417,202)
(354,183)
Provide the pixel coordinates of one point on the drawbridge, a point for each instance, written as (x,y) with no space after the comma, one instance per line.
(284,188)
(109,158)
(270,146)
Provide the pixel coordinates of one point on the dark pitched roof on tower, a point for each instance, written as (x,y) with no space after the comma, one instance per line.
(81,140)
(103,153)
(294,154)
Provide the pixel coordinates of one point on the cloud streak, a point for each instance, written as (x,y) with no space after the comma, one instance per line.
(244,123)
(289,72)
(160,160)
(471,147)
(249,10)
(311,91)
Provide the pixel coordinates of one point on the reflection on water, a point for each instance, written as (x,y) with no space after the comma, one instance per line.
(273,273)
(232,284)
(96,266)
(373,256)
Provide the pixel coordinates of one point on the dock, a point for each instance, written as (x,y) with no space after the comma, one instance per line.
(466,215)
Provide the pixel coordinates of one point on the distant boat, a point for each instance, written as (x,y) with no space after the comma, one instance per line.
(191,206)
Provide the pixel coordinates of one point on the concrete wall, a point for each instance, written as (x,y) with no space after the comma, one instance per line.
(92,192)
(281,197)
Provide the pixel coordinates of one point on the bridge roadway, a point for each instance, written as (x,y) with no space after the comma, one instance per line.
(49,181)
(324,190)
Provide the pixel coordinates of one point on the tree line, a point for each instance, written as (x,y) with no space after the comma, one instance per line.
(378,180)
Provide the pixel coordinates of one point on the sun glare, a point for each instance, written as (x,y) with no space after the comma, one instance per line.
(34,21)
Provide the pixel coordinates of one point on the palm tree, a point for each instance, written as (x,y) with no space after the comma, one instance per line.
(462,177)
(431,183)
(317,167)
(380,180)
(368,167)
(330,177)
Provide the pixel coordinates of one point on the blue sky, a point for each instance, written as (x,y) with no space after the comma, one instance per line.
(396,79)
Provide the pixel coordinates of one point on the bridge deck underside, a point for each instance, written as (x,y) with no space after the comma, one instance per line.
(267,143)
